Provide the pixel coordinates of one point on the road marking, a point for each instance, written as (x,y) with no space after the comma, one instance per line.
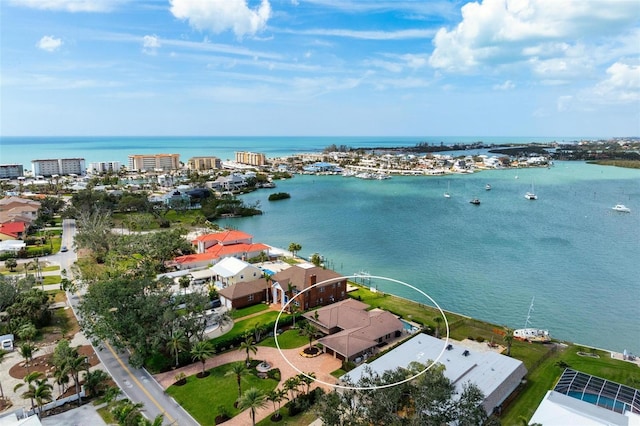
(162,410)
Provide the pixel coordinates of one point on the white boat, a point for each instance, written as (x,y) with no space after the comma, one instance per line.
(621,208)
(487,187)
(447,194)
(531,195)
(532,335)
(529,334)
(475,201)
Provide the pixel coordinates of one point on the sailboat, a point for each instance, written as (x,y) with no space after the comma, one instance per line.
(531,195)
(446,194)
(529,334)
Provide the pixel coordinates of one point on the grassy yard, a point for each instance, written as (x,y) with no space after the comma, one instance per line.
(249,310)
(202,398)
(290,339)
(409,310)
(243,326)
(302,419)
(544,377)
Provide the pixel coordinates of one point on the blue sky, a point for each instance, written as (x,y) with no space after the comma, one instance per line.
(320,67)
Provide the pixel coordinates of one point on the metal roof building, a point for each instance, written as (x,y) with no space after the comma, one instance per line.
(496,375)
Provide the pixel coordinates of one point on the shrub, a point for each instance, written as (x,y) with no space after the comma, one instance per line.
(479,339)
(274,374)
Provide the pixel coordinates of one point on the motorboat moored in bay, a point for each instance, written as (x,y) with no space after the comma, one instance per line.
(621,208)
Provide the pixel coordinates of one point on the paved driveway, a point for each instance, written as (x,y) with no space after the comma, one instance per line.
(81,416)
(321,366)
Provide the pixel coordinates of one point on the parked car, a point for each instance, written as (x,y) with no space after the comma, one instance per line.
(64,248)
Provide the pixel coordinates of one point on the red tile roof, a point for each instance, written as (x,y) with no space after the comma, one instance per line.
(221,250)
(230,235)
(12,229)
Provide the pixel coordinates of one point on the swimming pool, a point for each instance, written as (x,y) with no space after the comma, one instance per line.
(601,401)
(408,327)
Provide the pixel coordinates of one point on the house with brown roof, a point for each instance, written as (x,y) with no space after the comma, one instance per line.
(15,209)
(352,332)
(244,294)
(298,283)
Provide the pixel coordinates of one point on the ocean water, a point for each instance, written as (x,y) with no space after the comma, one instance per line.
(21,150)
(568,250)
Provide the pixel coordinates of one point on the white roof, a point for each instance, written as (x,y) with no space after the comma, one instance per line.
(229,267)
(487,370)
(557,409)
(202,274)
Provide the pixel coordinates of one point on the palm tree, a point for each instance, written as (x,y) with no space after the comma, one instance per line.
(238,370)
(33,381)
(291,385)
(61,376)
(276,396)
(95,382)
(438,320)
(27,350)
(310,332)
(267,279)
(75,365)
(249,346)
(252,399)
(307,379)
(177,343)
(185,282)
(127,413)
(201,351)
(42,393)
(508,339)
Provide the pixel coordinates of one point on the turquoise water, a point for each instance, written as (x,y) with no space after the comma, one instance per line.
(569,250)
(21,150)
(602,401)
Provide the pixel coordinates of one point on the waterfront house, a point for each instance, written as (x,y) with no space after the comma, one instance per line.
(244,294)
(496,375)
(290,282)
(352,332)
(230,271)
(211,248)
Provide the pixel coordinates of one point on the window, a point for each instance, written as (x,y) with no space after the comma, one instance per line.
(241,277)
(321,289)
(250,298)
(321,300)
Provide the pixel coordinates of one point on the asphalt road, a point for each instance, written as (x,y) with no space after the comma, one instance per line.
(137,384)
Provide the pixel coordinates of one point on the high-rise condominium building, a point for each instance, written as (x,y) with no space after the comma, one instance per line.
(203,163)
(59,166)
(154,162)
(251,158)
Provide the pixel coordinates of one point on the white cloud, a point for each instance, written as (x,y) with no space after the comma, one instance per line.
(49,43)
(221,15)
(71,5)
(621,86)
(150,44)
(507,31)
(507,85)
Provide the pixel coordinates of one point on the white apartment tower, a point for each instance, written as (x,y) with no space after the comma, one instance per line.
(104,167)
(59,166)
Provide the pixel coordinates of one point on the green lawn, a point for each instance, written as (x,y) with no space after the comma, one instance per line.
(203,397)
(544,377)
(247,325)
(407,309)
(290,339)
(302,419)
(243,312)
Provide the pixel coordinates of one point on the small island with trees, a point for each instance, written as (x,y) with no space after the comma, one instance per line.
(279,196)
